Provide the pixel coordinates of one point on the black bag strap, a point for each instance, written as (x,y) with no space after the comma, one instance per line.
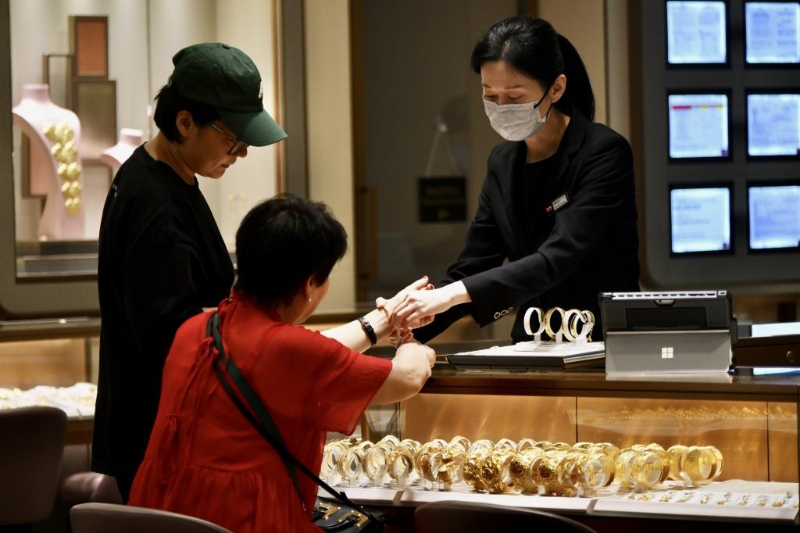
(262,420)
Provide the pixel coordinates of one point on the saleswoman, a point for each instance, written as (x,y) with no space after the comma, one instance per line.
(556,218)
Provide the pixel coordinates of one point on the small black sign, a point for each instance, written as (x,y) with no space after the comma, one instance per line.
(442,199)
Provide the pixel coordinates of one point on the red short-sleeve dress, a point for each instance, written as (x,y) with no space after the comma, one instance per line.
(204,459)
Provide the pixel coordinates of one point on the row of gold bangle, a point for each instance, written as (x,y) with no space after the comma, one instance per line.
(574,324)
(528,466)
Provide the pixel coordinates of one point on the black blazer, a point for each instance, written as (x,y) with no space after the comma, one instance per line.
(572,253)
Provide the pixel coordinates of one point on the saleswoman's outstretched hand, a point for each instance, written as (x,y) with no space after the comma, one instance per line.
(420,306)
(388,306)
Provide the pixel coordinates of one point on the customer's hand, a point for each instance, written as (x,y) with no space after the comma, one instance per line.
(422,305)
(389,305)
(419,306)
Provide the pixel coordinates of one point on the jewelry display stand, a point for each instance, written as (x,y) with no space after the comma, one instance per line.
(129,140)
(54,162)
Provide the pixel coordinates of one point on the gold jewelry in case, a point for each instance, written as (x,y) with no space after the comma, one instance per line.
(598,471)
(482,444)
(495,470)
(525,444)
(400,463)
(374,463)
(575,317)
(473,466)
(703,463)
(389,442)
(677,459)
(331,454)
(447,466)
(548,326)
(350,465)
(664,456)
(505,444)
(570,324)
(461,443)
(520,469)
(66,155)
(544,472)
(422,460)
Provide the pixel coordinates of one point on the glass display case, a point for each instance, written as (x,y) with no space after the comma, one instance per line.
(747,426)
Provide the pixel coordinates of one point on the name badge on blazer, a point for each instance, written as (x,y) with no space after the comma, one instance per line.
(557,204)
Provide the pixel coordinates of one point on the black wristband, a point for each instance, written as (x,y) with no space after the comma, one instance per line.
(368,329)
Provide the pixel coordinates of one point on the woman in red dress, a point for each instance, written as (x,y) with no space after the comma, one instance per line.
(204,458)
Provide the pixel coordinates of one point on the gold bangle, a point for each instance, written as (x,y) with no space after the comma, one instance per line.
(473,465)
(570,472)
(624,469)
(664,456)
(446,466)
(400,463)
(411,444)
(423,459)
(520,469)
(495,470)
(374,463)
(505,444)
(569,328)
(548,327)
(586,318)
(701,463)
(648,468)
(461,443)
(609,449)
(331,454)
(544,472)
(481,444)
(717,470)
(598,471)
(677,459)
(590,322)
(525,444)
(350,464)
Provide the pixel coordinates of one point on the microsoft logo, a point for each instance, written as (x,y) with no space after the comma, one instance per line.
(667,352)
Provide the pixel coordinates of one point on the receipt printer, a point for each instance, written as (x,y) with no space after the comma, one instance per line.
(685,332)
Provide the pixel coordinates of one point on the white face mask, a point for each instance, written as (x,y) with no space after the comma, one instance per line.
(515,122)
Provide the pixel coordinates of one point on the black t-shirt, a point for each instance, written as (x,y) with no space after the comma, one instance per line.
(161,260)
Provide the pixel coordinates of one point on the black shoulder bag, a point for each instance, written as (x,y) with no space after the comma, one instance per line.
(339,514)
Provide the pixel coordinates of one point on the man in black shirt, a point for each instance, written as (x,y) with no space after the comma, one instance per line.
(162,257)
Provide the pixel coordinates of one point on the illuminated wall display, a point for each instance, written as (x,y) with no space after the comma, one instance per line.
(696,33)
(700,219)
(774,216)
(773,125)
(698,125)
(772,32)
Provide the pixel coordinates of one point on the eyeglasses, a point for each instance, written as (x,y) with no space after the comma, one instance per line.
(237,144)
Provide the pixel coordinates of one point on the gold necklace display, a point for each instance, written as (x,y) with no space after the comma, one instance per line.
(66,155)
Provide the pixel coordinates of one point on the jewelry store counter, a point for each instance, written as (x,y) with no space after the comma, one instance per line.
(751,420)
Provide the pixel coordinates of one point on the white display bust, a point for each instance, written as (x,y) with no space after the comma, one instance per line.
(129,140)
(55,165)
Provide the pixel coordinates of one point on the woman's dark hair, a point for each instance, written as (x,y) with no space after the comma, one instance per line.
(532,46)
(168,103)
(281,243)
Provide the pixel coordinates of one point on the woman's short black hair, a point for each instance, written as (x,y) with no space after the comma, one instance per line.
(281,243)
(168,103)
(532,46)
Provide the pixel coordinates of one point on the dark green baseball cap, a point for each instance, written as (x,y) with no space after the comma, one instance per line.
(226,79)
